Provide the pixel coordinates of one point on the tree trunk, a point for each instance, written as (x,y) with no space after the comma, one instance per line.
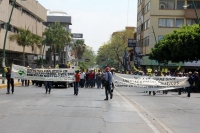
(24,64)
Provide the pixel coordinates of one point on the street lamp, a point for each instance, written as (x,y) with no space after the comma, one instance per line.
(4,44)
(193,4)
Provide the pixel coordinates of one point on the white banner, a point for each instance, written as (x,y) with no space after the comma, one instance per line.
(147,83)
(21,72)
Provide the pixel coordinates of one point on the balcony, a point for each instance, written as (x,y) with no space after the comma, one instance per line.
(190,13)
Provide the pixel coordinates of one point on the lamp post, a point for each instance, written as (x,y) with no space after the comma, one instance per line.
(4,44)
(193,4)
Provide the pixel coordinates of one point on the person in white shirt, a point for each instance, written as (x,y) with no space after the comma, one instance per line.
(82,79)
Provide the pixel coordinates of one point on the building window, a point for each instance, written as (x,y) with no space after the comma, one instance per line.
(191,21)
(146,41)
(180,4)
(147,7)
(197,4)
(167,4)
(160,38)
(139,2)
(166,22)
(179,22)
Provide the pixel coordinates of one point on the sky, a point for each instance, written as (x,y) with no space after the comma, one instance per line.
(96,19)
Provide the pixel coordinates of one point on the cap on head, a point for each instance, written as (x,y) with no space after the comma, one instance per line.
(190,73)
(107,68)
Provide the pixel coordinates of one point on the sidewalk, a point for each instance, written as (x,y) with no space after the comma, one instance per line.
(4,86)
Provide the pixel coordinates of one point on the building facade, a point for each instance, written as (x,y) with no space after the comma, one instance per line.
(155,19)
(61,56)
(29,13)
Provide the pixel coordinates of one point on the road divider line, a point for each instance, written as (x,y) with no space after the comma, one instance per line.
(168,130)
(155,130)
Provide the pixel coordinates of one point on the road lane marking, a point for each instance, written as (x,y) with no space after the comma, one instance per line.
(168,130)
(155,130)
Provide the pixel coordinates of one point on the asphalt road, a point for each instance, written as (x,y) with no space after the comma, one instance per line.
(30,110)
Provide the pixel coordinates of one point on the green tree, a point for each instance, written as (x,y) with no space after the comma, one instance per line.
(57,38)
(115,48)
(25,39)
(79,48)
(179,46)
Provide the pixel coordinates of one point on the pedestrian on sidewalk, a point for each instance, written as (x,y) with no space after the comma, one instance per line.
(77,78)
(10,81)
(48,85)
(108,83)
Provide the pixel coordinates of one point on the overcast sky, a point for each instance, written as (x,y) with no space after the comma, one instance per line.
(96,19)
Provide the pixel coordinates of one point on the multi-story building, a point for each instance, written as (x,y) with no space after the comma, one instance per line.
(27,13)
(161,17)
(65,21)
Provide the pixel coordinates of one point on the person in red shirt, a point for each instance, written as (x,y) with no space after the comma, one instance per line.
(91,78)
(77,78)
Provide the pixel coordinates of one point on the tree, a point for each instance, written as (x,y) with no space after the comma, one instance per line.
(88,54)
(79,48)
(115,48)
(25,39)
(57,38)
(179,46)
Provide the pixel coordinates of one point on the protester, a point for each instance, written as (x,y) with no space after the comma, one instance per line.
(103,79)
(48,85)
(196,81)
(77,78)
(82,80)
(98,79)
(113,86)
(108,83)
(27,81)
(191,82)
(10,81)
(87,79)
(91,78)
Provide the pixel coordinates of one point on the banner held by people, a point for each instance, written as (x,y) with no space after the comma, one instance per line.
(147,83)
(21,72)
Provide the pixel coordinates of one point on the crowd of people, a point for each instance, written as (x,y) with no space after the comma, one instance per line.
(89,79)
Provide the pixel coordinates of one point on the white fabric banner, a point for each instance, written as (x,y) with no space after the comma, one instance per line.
(148,83)
(21,72)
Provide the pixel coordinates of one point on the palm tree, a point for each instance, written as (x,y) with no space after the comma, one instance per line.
(25,38)
(57,38)
(79,48)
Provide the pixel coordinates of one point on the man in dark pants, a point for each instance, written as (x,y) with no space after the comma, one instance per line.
(108,83)
(10,81)
(191,82)
(48,85)
(27,81)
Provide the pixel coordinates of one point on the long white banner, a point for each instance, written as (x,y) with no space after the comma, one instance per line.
(21,72)
(148,83)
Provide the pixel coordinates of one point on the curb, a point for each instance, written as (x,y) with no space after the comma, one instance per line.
(4,86)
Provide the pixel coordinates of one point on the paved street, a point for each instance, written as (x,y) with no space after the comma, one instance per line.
(30,110)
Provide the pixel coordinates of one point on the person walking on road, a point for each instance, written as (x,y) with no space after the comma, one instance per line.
(191,82)
(10,81)
(77,78)
(108,83)
(82,81)
(27,82)
(48,85)
(98,79)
